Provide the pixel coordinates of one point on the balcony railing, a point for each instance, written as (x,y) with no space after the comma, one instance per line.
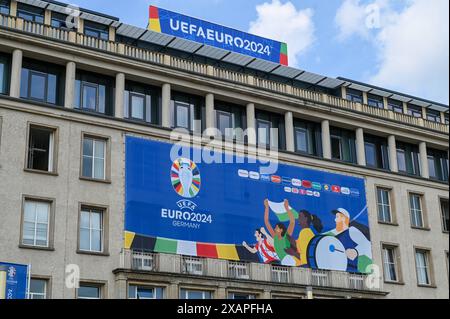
(203,69)
(176,264)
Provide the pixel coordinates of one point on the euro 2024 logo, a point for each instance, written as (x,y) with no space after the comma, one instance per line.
(186,181)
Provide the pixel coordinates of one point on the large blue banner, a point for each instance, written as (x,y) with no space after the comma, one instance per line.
(13,281)
(294,217)
(204,32)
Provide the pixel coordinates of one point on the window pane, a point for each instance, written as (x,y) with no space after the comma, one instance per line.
(85,239)
(41,234)
(88,292)
(336,148)
(2,77)
(89,97)
(87,166)
(37,86)
(137,107)
(445,214)
(30,211)
(224,123)
(38,288)
(42,212)
(182,116)
(84,219)
(401,160)
(302,140)
(263,133)
(39,149)
(371,157)
(24,83)
(99,147)
(96,220)
(101,98)
(51,88)
(145,293)
(96,240)
(99,169)
(88,147)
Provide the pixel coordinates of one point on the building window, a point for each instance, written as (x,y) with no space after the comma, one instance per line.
(93,93)
(423,267)
(375,101)
(36,223)
(94,158)
(194,294)
(142,292)
(270,132)
(308,138)
(30,13)
(395,106)
(187,112)
(376,152)
(4,74)
(384,205)
(415,111)
(96,30)
(89,291)
(343,145)
(240,296)
(438,164)
(444,213)
(59,20)
(390,263)
(408,159)
(230,120)
(91,230)
(4,7)
(142,103)
(415,206)
(433,116)
(38,288)
(42,82)
(446,120)
(41,149)
(354,96)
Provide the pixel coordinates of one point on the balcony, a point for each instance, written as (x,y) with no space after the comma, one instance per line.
(232,270)
(18,24)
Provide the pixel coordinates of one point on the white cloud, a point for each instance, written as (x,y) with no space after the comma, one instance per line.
(283,22)
(412,45)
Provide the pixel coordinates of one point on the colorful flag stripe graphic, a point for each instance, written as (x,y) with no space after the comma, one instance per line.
(188,248)
(154,22)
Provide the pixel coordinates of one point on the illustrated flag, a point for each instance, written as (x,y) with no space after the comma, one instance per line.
(280,211)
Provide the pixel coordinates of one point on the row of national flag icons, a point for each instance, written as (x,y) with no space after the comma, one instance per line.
(293,185)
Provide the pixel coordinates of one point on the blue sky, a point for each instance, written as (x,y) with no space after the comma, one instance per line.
(398,44)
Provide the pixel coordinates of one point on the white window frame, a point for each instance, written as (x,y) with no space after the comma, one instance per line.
(416,210)
(136,287)
(382,205)
(91,211)
(186,293)
(35,222)
(31,295)
(99,287)
(51,147)
(425,267)
(95,141)
(387,263)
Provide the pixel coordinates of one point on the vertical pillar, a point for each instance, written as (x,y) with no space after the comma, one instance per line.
(385,103)
(112,34)
(344,92)
(365,98)
(165,105)
(173,291)
(69,91)
(289,125)
(424,169)
(251,126)
(442,117)
(120,91)
(221,293)
(405,108)
(209,108)
(16,69)
(326,139)
(13,8)
(360,149)
(393,164)
(47,17)
(424,112)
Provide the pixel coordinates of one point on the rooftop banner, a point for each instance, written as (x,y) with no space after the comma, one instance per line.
(13,281)
(189,28)
(296,217)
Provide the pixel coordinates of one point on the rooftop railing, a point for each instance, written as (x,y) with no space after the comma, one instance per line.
(145,55)
(176,264)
